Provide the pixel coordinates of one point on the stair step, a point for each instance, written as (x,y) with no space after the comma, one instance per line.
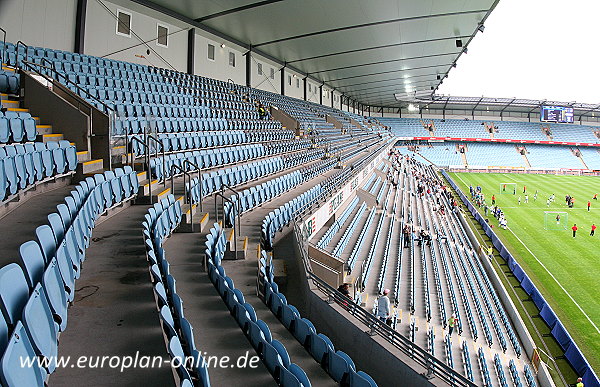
(14,109)
(43,129)
(3,96)
(52,137)
(147,187)
(161,193)
(10,104)
(92,166)
(8,69)
(83,156)
(118,150)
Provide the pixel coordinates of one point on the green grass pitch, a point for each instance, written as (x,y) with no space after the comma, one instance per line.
(565,269)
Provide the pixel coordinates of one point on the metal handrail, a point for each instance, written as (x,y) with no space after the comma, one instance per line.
(433,365)
(199,170)
(17,51)
(235,207)
(162,149)
(237,196)
(65,78)
(3,45)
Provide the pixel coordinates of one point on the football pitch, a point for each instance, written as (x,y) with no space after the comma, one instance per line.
(565,269)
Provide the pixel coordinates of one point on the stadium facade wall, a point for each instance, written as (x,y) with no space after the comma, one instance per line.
(46,23)
(572,352)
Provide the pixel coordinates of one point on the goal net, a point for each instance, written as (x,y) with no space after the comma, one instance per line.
(556,220)
(508,188)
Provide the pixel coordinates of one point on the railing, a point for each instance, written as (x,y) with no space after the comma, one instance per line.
(3,45)
(235,207)
(432,365)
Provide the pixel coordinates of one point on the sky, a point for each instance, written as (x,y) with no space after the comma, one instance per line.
(533,49)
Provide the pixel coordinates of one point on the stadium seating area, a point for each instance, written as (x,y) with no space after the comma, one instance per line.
(208,125)
(428,281)
(35,295)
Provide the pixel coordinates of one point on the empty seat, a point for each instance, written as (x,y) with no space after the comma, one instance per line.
(14,292)
(40,326)
(33,262)
(12,373)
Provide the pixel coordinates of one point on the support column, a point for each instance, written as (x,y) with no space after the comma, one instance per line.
(305,95)
(332,90)
(321,94)
(249,67)
(80,26)
(283,80)
(191,50)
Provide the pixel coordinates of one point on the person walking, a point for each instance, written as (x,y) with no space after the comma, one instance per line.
(493,200)
(589,205)
(452,323)
(519,199)
(526,198)
(574,228)
(383,306)
(593,229)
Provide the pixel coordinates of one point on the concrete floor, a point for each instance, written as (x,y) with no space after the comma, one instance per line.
(114,312)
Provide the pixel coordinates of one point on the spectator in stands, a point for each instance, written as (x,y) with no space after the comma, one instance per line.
(262,112)
(452,323)
(593,229)
(406,235)
(574,228)
(383,306)
(344,289)
(425,237)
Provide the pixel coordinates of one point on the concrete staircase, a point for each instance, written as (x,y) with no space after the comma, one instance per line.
(47,133)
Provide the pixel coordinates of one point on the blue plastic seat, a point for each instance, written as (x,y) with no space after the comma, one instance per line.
(47,241)
(55,291)
(33,262)
(340,366)
(11,372)
(361,379)
(294,376)
(320,347)
(67,272)
(57,226)
(14,292)
(40,326)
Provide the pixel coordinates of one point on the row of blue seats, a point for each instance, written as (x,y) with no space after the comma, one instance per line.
(255,196)
(9,82)
(210,158)
(135,125)
(386,256)
(243,174)
(366,271)
(337,225)
(17,129)
(174,142)
(34,298)
(280,217)
(272,352)
(205,158)
(160,221)
(349,231)
(24,165)
(72,57)
(360,242)
(338,364)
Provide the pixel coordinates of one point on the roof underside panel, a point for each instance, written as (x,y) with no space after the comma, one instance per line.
(391,46)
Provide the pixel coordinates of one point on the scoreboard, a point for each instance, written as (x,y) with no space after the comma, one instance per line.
(562,114)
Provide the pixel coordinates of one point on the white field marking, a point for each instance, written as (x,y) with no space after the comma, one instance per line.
(551,275)
(555,280)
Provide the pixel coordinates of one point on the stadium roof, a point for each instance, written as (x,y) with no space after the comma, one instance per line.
(366,50)
(499,105)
